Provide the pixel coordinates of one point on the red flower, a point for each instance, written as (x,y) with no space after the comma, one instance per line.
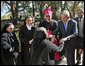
(49,9)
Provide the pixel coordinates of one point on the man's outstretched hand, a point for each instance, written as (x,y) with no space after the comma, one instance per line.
(62,40)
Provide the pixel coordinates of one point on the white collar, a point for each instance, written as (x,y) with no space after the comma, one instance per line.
(29,27)
(11,34)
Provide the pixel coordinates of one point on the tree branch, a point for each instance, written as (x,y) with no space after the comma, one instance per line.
(7,3)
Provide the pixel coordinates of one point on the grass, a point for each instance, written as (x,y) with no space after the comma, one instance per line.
(6,17)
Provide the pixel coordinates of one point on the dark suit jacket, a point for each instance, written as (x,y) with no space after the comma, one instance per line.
(76,19)
(72,31)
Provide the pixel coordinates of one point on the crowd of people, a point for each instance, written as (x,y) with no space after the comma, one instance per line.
(46,44)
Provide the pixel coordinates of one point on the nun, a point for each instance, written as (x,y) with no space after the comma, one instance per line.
(9,44)
(26,32)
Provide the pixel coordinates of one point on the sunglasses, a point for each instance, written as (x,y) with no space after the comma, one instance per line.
(48,16)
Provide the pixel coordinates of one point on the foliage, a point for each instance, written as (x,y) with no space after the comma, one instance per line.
(36,8)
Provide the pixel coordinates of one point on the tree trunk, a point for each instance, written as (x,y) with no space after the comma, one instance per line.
(41,11)
(75,6)
(33,9)
(16,12)
(13,11)
(54,9)
(62,6)
(65,4)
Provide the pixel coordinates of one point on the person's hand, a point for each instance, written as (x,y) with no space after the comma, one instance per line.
(62,40)
(15,54)
(49,36)
(10,50)
(30,42)
(52,39)
(80,51)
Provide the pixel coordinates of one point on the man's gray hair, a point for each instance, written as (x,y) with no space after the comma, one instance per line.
(66,12)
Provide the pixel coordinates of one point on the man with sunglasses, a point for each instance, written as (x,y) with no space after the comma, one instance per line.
(50,26)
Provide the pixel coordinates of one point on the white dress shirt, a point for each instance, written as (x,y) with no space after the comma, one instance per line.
(81,26)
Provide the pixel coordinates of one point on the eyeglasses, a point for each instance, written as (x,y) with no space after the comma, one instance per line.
(48,16)
(11,28)
(29,20)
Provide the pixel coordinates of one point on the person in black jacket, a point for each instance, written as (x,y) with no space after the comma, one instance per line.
(41,47)
(9,45)
(26,37)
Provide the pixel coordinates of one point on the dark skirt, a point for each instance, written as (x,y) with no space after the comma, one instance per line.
(6,57)
(25,55)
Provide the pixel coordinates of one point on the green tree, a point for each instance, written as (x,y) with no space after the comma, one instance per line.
(15,7)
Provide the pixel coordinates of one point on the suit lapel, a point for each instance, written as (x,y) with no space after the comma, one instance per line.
(63,28)
(68,26)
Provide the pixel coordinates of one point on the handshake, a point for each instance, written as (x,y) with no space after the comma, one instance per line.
(61,41)
(60,47)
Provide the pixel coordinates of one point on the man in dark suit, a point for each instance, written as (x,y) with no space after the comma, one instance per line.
(68,31)
(80,38)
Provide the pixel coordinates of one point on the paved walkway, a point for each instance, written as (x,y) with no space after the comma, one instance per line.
(63,62)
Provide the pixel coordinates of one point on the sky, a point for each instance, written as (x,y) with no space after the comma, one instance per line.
(5,9)
(4,12)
